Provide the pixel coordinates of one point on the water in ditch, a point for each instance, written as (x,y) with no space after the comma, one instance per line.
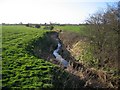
(59,57)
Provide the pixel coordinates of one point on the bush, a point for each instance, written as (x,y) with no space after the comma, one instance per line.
(103,33)
(27,25)
(51,27)
(37,26)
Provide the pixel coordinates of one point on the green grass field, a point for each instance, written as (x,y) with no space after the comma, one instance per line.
(19,69)
(70,28)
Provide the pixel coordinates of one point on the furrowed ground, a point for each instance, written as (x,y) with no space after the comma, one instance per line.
(20,69)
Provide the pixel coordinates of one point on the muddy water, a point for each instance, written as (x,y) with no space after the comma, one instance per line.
(59,57)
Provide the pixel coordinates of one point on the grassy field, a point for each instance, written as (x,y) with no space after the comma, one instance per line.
(19,69)
(71,28)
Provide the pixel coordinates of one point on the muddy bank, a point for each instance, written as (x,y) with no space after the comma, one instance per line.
(43,46)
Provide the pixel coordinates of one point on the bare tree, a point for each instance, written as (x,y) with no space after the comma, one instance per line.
(103,32)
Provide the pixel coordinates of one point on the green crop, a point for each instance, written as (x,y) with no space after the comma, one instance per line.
(19,69)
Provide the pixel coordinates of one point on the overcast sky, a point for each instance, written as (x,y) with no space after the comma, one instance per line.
(41,11)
